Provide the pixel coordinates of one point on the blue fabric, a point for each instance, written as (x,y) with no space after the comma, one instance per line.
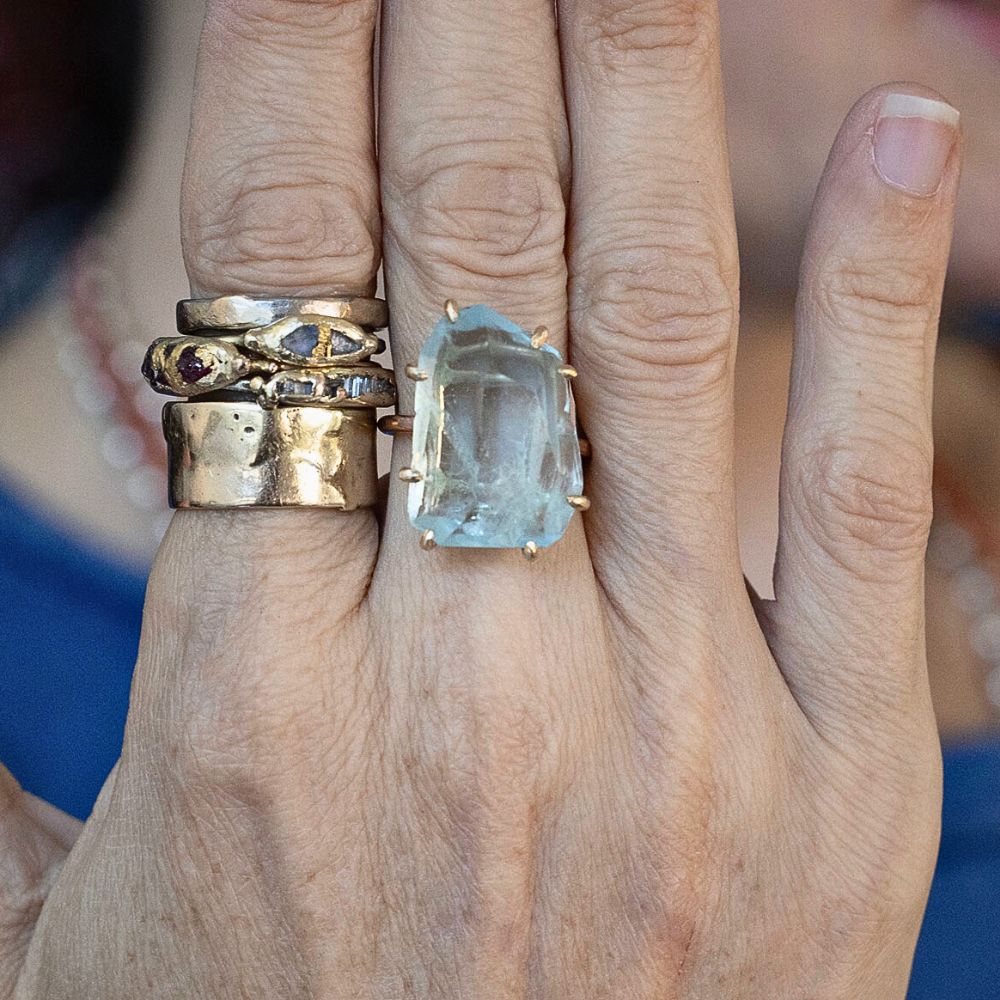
(958,957)
(69,630)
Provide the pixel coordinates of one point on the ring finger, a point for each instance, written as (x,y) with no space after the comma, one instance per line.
(474,162)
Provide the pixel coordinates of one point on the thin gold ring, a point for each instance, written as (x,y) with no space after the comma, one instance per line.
(244,312)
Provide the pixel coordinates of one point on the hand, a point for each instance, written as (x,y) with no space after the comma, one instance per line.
(355,769)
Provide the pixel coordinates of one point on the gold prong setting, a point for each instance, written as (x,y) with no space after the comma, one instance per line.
(467,347)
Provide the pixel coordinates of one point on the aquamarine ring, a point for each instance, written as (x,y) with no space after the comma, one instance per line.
(496,455)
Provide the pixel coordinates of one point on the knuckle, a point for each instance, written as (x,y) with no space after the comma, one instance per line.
(622,33)
(651,315)
(892,867)
(495,758)
(213,738)
(279,232)
(478,220)
(869,499)
(248,737)
(887,295)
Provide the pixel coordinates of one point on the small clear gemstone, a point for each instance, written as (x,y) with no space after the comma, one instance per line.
(311,341)
(302,341)
(494,437)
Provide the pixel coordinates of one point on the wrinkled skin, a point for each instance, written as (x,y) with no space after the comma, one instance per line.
(353,769)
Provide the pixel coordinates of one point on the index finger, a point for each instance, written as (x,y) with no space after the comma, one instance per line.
(280,188)
(280,198)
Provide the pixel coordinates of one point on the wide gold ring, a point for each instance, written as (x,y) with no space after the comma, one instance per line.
(239,454)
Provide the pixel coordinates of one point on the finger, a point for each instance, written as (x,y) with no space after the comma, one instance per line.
(35,838)
(280,196)
(280,188)
(473,156)
(857,459)
(653,291)
(247,630)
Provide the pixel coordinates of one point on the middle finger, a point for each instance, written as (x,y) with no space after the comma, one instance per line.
(487,657)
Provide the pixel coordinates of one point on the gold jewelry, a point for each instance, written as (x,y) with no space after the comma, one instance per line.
(496,460)
(190,366)
(279,401)
(238,454)
(185,366)
(275,362)
(361,386)
(243,312)
(199,366)
(313,341)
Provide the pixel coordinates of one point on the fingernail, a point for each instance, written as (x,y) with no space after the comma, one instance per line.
(914,137)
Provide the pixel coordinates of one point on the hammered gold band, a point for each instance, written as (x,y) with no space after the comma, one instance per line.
(237,454)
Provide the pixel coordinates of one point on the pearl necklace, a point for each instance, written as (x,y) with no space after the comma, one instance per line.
(104,367)
(966,552)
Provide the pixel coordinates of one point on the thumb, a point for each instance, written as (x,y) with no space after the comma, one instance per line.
(35,838)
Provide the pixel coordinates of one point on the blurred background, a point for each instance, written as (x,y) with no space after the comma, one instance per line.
(94,98)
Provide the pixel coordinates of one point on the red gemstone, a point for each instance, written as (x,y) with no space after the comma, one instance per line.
(191,367)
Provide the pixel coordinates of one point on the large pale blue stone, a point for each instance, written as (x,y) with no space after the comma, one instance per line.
(494,437)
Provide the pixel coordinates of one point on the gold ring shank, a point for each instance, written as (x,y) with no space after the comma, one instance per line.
(402,423)
(244,312)
(227,455)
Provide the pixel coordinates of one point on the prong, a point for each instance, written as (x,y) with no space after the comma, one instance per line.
(579,503)
(427,540)
(569,371)
(530,551)
(410,476)
(396,423)
(451,310)
(415,374)
(540,337)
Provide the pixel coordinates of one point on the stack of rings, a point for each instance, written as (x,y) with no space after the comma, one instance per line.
(277,401)
(276,408)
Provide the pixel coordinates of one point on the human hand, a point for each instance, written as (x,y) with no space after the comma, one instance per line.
(355,769)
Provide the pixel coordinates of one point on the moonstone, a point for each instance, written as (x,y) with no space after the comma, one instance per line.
(494,437)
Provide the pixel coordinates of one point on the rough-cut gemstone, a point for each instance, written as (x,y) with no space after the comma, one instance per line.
(494,437)
(149,372)
(191,367)
(322,343)
(302,341)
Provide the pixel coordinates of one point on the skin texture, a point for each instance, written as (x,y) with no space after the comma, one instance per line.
(353,769)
